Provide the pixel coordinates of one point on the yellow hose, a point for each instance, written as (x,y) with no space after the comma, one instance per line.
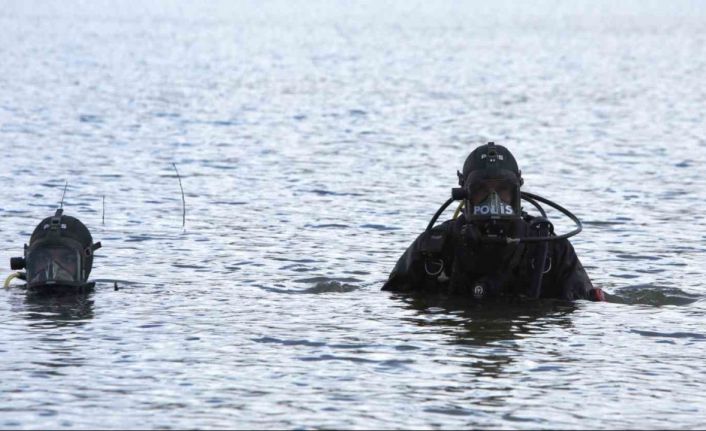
(9,279)
(458,210)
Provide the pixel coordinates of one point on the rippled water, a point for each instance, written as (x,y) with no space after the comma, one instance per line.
(314,141)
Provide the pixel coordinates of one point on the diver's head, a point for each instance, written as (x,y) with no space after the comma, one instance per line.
(60,252)
(491,181)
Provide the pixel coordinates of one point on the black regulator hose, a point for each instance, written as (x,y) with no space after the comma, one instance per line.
(536,205)
(529,197)
(569,214)
(439,212)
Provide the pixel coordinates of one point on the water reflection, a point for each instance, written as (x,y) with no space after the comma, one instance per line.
(646,294)
(52,311)
(312,153)
(489,321)
(490,328)
(53,341)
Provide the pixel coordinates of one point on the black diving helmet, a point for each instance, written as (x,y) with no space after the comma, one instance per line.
(491,182)
(60,253)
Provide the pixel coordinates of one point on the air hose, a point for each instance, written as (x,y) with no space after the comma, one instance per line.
(439,211)
(569,214)
(10,278)
(529,197)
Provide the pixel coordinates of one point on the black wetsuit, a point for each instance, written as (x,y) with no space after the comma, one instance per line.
(443,261)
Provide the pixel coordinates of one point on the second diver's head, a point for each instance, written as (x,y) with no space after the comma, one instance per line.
(491,180)
(60,252)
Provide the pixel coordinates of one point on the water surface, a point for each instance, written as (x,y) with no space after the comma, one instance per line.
(315,140)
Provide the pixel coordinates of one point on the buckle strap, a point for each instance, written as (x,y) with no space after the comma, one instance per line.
(432,243)
(439,267)
(431,247)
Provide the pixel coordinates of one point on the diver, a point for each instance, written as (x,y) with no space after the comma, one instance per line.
(492,248)
(59,257)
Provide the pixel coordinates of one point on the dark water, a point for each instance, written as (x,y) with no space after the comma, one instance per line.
(314,141)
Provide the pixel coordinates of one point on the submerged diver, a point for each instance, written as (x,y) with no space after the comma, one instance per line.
(59,256)
(494,248)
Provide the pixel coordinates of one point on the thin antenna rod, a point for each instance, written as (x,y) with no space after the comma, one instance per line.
(183,201)
(103,210)
(61,204)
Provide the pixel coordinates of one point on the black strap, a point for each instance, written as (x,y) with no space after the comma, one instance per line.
(431,247)
(432,243)
(539,227)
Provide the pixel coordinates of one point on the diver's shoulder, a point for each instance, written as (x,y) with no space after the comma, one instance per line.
(445,226)
(562,247)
